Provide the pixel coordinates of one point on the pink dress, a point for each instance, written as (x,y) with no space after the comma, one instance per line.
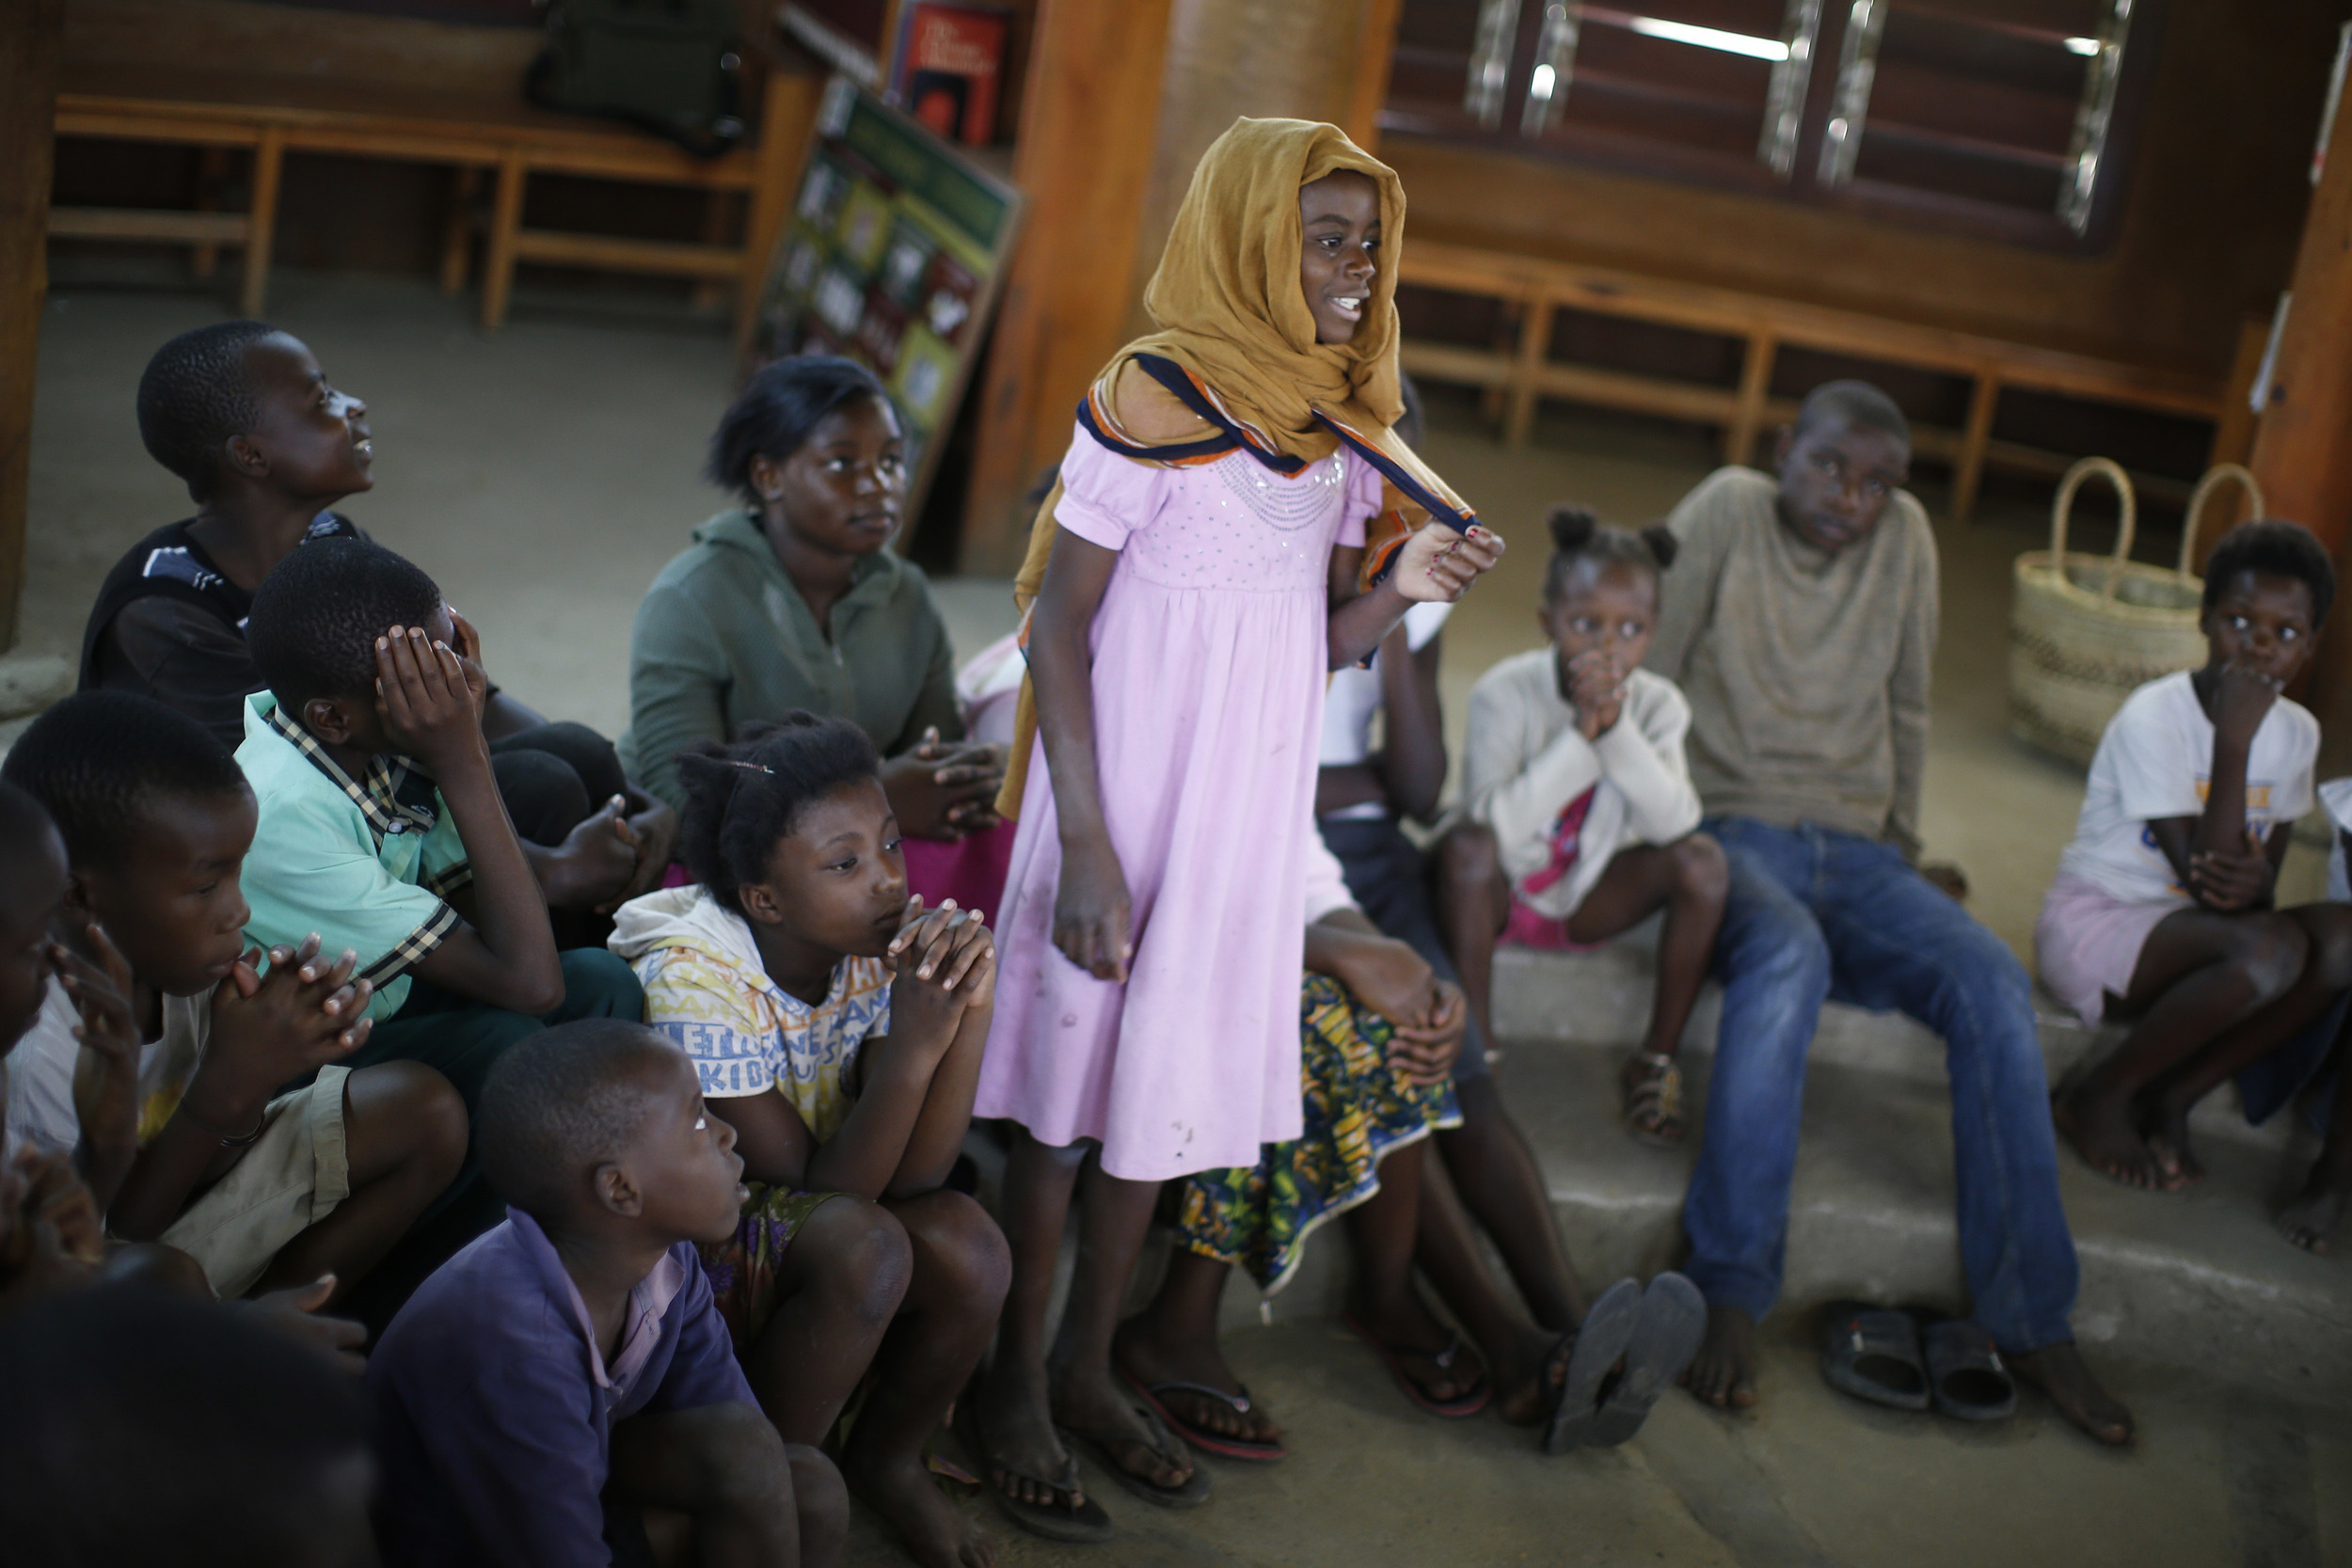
(1210,656)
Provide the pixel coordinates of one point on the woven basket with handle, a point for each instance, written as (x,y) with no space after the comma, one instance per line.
(2085,630)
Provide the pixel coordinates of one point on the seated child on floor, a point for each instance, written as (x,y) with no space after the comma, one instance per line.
(1577,814)
(380,826)
(180,1128)
(221,1442)
(838,1026)
(568,1369)
(2320,1062)
(2163,908)
(51,1236)
(242,413)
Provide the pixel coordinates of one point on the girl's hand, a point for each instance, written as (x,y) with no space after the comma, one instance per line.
(1598,689)
(2227,880)
(1423,1054)
(946,964)
(1391,979)
(469,651)
(1092,914)
(1436,563)
(2242,698)
(944,790)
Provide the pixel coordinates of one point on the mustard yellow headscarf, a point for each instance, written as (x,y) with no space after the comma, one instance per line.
(1233,319)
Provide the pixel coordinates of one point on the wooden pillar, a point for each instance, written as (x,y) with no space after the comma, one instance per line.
(2303,450)
(1089,120)
(30,35)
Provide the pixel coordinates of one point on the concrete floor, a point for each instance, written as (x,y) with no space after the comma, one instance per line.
(544,475)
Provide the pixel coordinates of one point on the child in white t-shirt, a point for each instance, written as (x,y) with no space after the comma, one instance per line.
(2163,910)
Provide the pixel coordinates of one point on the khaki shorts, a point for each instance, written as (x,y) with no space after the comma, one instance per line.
(286,1183)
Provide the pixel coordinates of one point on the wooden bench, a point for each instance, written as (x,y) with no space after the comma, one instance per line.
(1537,289)
(235,76)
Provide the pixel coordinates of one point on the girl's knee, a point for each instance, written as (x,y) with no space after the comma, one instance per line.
(819,1499)
(745,1463)
(1700,869)
(959,1254)
(857,1253)
(2268,951)
(1466,856)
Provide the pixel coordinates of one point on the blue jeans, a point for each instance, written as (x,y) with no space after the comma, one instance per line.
(1815,914)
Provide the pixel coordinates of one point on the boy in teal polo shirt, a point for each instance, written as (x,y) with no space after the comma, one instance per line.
(381,827)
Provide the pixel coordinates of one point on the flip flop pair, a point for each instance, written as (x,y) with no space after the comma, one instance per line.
(1454,1409)
(1910,1361)
(1632,1344)
(1201,1437)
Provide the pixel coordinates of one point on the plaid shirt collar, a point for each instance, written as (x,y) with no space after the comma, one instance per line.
(398,797)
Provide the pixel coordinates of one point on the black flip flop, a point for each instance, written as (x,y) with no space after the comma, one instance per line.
(1965,1372)
(1873,1353)
(1393,1357)
(1672,1325)
(1086,1524)
(1599,1341)
(1192,1494)
(1202,1437)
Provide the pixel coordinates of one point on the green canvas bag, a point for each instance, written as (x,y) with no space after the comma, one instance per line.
(669,67)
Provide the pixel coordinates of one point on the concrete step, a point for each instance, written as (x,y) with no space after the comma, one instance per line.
(2198,1278)
(1602,997)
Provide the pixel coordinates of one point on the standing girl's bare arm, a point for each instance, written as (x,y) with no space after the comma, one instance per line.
(1092,911)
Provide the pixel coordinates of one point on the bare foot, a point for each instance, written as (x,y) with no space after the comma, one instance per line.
(1018,1449)
(935,1531)
(2102,1133)
(2310,1221)
(1152,1361)
(1439,1363)
(2061,1374)
(2168,1140)
(1088,1402)
(1723,1372)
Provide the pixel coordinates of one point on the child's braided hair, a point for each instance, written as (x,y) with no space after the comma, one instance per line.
(1578,534)
(741,798)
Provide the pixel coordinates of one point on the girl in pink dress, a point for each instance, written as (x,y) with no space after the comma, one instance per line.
(1196,574)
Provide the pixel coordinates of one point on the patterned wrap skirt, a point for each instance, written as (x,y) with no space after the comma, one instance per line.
(742,1269)
(1357,1109)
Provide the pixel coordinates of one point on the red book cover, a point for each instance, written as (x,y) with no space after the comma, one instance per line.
(951,57)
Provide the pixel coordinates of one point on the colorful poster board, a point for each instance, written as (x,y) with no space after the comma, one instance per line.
(893,258)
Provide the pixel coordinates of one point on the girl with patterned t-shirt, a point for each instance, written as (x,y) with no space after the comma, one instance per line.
(838,1025)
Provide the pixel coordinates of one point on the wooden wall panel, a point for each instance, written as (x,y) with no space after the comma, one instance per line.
(30,32)
(2215,202)
(1089,119)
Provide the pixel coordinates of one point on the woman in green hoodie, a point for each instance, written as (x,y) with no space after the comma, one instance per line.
(791,601)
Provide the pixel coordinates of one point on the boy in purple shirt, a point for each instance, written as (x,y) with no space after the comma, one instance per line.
(569,1368)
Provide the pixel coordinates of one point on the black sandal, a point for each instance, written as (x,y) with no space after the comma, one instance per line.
(1084,1522)
(1873,1353)
(1597,1343)
(1249,1450)
(1192,1494)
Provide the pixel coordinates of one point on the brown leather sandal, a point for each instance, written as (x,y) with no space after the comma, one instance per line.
(1653,1104)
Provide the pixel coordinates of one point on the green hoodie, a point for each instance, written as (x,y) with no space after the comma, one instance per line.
(724,639)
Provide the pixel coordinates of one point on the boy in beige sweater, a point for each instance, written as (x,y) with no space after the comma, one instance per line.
(1800,623)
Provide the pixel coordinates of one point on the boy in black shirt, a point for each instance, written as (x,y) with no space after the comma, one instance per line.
(242,413)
